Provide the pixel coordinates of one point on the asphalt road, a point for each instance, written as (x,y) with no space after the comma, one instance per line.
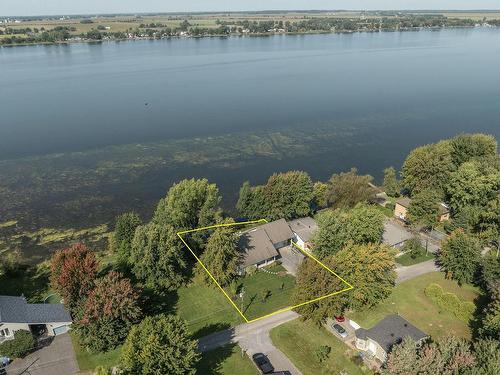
(254,338)
(410,272)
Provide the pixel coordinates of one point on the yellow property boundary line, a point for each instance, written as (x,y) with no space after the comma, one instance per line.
(181,233)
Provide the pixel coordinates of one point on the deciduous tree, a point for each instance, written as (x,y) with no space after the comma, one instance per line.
(221,256)
(157,257)
(160,345)
(460,255)
(73,272)
(348,189)
(424,208)
(391,183)
(108,313)
(465,147)
(125,227)
(320,194)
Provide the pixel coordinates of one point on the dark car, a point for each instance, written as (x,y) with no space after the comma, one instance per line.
(263,363)
(282,373)
(340,330)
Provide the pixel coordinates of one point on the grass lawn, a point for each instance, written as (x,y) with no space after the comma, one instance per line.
(254,286)
(408,299)
(299,340)
(205,309)
(226,360)
(88,361)
(407,260)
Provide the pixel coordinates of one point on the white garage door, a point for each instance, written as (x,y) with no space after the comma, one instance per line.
(60,330)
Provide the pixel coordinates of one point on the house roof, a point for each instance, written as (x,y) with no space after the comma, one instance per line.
(17,310)
(391,330)
(304,227)
(257,244)
(404,201)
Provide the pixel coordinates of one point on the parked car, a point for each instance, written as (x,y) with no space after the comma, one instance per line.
(4,361)
(340,330)
(282,373)
(263,363)
(340,318)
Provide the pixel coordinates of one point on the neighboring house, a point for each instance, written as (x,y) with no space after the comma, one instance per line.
(16,314)
(260,246)
(303,230)
(379,340)
(402,205)
(395,235)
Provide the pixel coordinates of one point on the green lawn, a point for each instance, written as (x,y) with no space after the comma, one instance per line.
(88,361)
(407,260)
(254,285)
(408,299)
(226,360)
(205,309)
(299,340)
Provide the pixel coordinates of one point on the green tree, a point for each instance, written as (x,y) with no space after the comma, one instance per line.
(123,235)
(363,224)
(160,345)
(221,256)
(348,189)
(23,343)
(489,221)
(391,183)
(322,353)
(109,312)
(403,359)
(288,195)
(424,208)
(487,353)
(473,184)
(372,267)
(251,203)
(320,194)
(491,315)
(413,246)
(466,147)
(158,257)
(428,168)
(189,204)
(460,256)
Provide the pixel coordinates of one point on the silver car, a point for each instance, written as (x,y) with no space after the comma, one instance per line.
(340,330)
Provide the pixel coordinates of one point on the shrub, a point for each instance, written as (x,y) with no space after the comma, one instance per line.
(434,291)
(22,344)
(463,310)
(322,353)
(101,370)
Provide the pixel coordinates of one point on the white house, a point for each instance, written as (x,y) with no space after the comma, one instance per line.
(17,314)
(303,230)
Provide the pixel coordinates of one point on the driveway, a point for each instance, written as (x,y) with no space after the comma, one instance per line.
(58,358)
(291,258)
(254,338)
(410,272)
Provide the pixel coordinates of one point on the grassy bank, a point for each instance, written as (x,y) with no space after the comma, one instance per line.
(226,360)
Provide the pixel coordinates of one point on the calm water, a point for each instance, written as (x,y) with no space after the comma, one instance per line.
(424,84)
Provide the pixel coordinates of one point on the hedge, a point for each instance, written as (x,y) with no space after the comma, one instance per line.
(23,343)
(463,310)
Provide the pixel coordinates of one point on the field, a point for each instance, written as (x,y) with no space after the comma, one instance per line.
(408,299)
(299,341)
(226,360)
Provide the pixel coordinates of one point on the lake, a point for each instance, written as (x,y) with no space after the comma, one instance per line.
(231,109)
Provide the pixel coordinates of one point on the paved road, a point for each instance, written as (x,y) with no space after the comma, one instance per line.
(254,338)
(410,272)
(56,359)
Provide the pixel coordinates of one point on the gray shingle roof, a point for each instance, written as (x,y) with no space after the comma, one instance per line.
(17,310)
(304,227)
(257,244)
(391,330)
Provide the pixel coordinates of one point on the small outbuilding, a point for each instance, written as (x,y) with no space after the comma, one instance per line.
(303,230)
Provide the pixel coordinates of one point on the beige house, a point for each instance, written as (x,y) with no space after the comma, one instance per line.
(17,314)
(379,340)
(402,205)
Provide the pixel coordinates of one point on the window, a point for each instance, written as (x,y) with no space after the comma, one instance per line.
(4,332)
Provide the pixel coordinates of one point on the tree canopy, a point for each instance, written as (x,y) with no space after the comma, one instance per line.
(125,227)
(221,256)
(465,147)
(189,204)
(348,189)
(159,345)
(391,183)
(460,255)
(157,257)
(424,208)
(109,312)
(363,224)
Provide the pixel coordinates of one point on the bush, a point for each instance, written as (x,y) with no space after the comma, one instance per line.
(22,344)
(101,370)
(322,353)
(434,291)
(463,310)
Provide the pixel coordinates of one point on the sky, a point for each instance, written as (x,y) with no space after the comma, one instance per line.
(61,7)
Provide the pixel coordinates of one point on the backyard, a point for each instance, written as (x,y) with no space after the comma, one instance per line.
(265,291)
(300,341)
(409,300)
(407,260)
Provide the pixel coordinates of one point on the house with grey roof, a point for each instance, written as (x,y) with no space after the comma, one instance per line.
(17,314)
(303,230)
(260,246)
(379,340)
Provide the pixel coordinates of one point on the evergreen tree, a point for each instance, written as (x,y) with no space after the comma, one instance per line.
(125,227)
(391,184)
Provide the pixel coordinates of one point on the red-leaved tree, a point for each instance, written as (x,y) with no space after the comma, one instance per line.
(73,273)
